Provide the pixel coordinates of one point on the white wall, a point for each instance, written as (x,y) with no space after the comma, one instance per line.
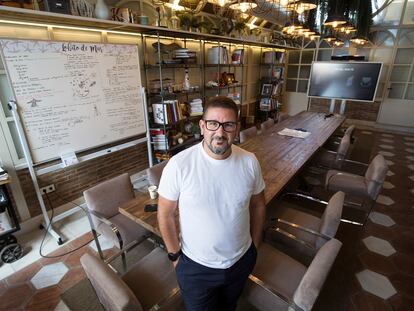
(295,103)
(396,112)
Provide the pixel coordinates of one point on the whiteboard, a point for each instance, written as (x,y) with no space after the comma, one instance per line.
(74,96)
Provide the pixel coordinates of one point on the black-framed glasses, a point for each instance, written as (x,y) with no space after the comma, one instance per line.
(213,125)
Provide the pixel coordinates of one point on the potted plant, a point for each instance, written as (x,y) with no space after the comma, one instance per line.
(185,20)
(240,26)
(196,131)
(195,24)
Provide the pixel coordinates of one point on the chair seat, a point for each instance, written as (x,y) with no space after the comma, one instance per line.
(129,229)
(157,279)
(298,217)
(272,266)
(349,183)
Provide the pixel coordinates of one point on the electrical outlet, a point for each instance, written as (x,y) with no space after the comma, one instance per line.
(48,189)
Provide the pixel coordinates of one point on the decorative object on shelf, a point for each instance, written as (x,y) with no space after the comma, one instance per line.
(196,131)
(101,10)
(227,26)
(81,8)
(237,57)
(230,78)
(240,26)
(188,127)
(185,20)
(121,15)
(217,55)
(196,107)
(266,89)
(143,20)
(186,82)
(174,21)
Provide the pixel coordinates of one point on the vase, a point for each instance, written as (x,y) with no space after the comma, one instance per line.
(101,10)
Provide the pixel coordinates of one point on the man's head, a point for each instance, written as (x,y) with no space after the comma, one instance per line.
(219,126)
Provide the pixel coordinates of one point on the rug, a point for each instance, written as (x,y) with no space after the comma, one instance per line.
(81,296)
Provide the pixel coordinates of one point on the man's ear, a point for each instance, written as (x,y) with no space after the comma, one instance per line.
(202,125)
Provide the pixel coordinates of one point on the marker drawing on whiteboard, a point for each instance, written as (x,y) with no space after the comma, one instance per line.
(33,102)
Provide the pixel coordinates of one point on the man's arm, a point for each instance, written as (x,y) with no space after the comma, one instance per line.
(166,223)
(257,217)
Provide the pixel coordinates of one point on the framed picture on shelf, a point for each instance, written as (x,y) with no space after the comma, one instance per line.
(230,78)
(266,89)
(265,104)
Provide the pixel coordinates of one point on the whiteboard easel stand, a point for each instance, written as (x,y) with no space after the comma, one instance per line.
(144,103)
(22,137)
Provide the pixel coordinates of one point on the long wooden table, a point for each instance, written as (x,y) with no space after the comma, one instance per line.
(281,158)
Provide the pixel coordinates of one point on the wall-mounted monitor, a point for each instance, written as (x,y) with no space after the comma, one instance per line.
(344,80)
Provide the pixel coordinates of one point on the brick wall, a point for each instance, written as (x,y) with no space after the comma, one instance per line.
(72,181)
(354,110)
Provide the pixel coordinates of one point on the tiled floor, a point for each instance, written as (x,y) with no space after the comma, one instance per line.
(374,270)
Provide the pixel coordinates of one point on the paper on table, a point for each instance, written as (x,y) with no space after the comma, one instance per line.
(294,133)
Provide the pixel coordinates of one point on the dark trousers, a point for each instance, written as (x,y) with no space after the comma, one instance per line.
(205,289)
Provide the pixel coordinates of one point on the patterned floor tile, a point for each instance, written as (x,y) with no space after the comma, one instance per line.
(366,132)
(386,200)
(61,306)
(386,146)
(390,173)
(376,284)
(49,275)
(389,162)
(103,242)
(387,135)
(411,167)
(386,140)
(388,185)
(379,246)
(411,158)
(410,144)
(409,138)
(410,150)
(381,219)
(377,263)
(46,299)
(386,153)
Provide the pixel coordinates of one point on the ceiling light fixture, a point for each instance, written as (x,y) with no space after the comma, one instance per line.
(334,20)
(243,6)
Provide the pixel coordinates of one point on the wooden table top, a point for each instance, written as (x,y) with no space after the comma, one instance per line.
(280,157)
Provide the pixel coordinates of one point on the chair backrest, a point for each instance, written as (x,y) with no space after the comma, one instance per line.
(375,176)
(107,196)
(342,151)
(316,274)
(112,291)
(154,173)
(331,217)
(350,130)
(281,116)
(267,125)
(247,133)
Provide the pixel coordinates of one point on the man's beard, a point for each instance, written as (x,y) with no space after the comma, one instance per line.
(218,150)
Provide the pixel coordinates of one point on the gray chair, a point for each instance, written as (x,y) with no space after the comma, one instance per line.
(282,116)
(279,282)
(333,159)
(302,230)
(103,201)
(266,125)
(154,173)
(150,284)
(366,187)
(247,134)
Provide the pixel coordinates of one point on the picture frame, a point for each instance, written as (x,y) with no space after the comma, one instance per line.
(266,89)
(230,78)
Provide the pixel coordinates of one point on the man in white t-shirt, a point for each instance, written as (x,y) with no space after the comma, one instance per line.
(219,191)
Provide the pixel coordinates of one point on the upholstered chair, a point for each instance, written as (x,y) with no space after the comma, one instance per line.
(247,134)
(295,227)
(366,187)
(154,173)
(150,284)
(333,159)
(279,282)
(103,201)
(282,116)
(267,125)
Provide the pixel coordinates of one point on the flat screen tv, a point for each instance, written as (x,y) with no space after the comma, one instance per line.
(344,80)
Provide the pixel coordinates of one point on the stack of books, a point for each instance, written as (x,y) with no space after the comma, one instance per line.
(167,112)
(159,139)
(196,107)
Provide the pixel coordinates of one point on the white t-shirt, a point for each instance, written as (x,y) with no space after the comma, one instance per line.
(214,197)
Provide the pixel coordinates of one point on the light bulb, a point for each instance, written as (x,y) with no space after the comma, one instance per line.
(300,9)
(284,2)
(221,2)
(335,24)
(347,31)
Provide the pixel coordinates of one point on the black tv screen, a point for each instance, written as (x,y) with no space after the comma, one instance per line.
(344,80)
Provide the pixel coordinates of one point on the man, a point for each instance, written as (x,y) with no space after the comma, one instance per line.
(218,189)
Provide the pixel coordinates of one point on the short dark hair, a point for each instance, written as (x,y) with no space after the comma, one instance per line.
(222,102)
